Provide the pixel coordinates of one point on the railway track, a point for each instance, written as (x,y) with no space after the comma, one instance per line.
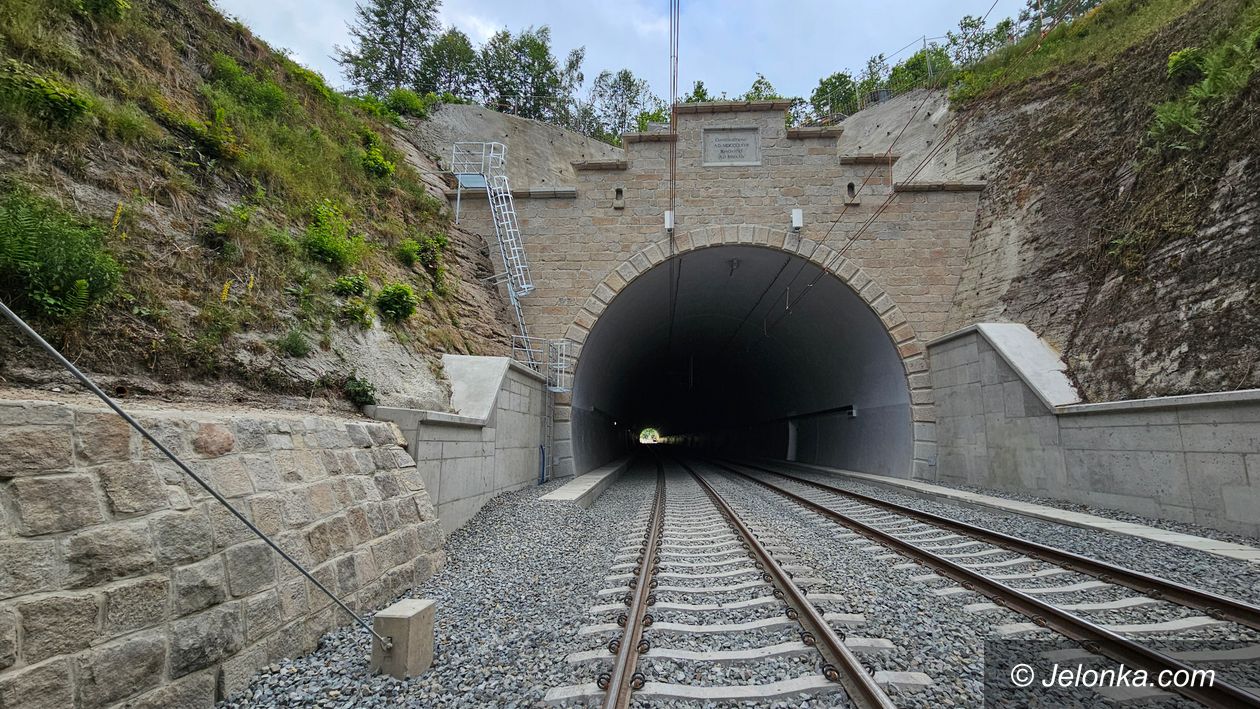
(1008,570)
(703,597)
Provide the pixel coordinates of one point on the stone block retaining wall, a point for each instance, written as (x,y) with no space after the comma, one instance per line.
(1185,458)
(121,580)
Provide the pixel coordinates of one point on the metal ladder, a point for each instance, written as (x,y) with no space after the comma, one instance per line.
(484,166)
(508,233)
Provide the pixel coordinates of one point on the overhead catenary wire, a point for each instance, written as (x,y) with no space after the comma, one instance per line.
(61,359)
(675,263)
(829,96)
(931,155)
(788,301)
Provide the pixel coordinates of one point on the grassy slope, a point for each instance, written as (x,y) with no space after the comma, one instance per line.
(231,185)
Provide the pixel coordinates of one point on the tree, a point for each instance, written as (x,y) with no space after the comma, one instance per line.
(874,76)
(699,94)
(618,99)
(973,41)
(519,75)
(1040,16)
(449,65)
(925,67)
(645,119)
(835,94)
(389,37)
(761,90)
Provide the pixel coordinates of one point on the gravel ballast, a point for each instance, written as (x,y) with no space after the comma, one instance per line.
(518,583)
(523,576)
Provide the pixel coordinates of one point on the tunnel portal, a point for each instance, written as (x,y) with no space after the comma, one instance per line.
(754,360)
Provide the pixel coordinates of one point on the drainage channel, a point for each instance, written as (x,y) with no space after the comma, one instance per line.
(682,631)
(964,553)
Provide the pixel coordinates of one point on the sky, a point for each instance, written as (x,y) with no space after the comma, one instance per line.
(725,43)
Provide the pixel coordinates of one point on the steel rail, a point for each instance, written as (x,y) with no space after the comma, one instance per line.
(1091,636)
(625,677)
(1217,606)
(841,664)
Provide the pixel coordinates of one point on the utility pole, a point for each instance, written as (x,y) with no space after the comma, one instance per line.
(928,56)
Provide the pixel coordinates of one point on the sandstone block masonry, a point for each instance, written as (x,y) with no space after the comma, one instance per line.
(587,243)
(122,581)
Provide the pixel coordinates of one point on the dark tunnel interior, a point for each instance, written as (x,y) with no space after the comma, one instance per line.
(735,369)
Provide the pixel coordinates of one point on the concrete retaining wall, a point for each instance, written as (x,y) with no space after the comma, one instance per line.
(490,446)
(1185,458)
(120,579)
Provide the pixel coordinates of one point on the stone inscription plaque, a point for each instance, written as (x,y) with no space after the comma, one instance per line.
(732,146)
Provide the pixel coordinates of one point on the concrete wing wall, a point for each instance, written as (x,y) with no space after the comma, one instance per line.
(1189,458)
(463,460)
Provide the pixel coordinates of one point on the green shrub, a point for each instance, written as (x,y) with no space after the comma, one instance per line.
(294,344)
(441,284)
(54,102)
(406,102)
(1177,124)
(396,301)
(216,139)
(107,9)
(1222,73)
(280,240)
(1186,66)
(328,239)
(51,265)
(356,311)
(263,96)
(373,106)
(346,286)
(359,391)
(431,248)
(408,251)
(376,164)
(311,79)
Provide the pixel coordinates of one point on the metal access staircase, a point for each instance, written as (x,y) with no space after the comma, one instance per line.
(480,166)
(484,166)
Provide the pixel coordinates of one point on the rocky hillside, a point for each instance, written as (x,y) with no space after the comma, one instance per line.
(1120,220)
(188,213)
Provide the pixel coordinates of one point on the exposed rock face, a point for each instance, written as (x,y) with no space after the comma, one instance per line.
(540,155)
(1141,266)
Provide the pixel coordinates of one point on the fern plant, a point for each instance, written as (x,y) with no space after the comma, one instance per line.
(51,265)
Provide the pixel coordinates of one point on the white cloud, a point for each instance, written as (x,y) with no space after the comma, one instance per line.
(658,27)
(478,29)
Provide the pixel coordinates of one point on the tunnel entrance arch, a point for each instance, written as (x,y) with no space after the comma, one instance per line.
(843,369)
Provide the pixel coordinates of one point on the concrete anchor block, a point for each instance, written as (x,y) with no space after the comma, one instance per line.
(409,626)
